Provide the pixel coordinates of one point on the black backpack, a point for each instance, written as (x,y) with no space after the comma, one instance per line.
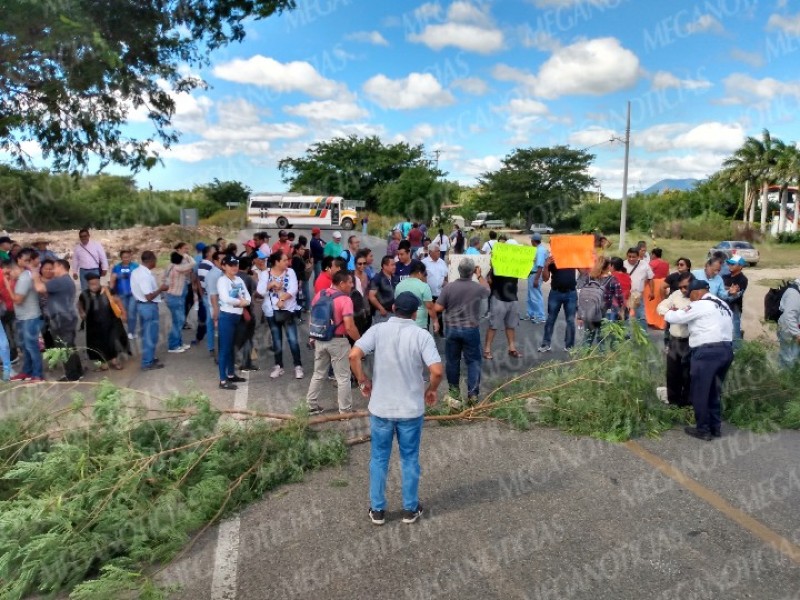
(772,301)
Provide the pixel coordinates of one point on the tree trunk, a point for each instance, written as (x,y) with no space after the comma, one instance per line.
(751,216)
(764,206)
(784,200)
(746,203)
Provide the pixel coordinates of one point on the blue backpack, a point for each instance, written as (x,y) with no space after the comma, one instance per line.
(321,325)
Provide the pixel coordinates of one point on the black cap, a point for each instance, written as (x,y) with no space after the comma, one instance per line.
(230,261)
(698,284)
(406,304)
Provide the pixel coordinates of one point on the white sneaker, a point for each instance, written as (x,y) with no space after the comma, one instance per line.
(186,346)
(298,372)
(276,372)
(131,336)
(179,350)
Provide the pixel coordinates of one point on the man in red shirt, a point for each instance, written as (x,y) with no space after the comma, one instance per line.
(283,243)
(330,266)
(335,352)
(624,280)
(415,237)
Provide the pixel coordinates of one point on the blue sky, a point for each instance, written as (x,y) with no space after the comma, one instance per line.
(475,80)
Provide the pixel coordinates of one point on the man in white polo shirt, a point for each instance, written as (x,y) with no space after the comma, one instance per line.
(397,400)
(641,278)
(148,297)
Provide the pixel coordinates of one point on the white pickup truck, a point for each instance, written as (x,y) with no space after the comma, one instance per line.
(486,219)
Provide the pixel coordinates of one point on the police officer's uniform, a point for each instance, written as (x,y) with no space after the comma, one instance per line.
(710,323)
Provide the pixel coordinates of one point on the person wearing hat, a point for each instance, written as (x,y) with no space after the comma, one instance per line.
(233,297)
(535,311)
(317,248)
(283,244)
(710,324)
(397,398)
(44,252)
(334,247)
(736,280)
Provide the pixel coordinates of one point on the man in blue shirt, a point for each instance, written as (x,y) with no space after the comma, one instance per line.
(535,298)
(716,284)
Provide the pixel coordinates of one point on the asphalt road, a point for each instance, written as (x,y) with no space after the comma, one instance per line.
(508,514)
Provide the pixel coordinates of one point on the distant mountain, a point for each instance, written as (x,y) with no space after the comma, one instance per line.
(672,184)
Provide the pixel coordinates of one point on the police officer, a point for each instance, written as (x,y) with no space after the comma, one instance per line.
(710,323)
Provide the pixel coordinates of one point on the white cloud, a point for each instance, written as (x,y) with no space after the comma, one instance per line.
(468,27)
(328,110)
(705,23)
(539,40)
(415,91)
(741,88)
(713,137)
(526,106)
(295,76)
(428,11)
(471,85)
(475,167)
(663,80)
(786,23)
(587,67)
(568,3)
(754,59)
(658,138)
(368,37)
(418,134)
(590,136)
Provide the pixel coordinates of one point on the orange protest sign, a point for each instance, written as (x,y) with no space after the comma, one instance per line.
(572,251)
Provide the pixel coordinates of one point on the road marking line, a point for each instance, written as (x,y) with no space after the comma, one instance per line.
(757,528)
(226,555)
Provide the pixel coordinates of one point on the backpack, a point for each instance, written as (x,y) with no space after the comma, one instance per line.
(361,312)
(772,301)
(591,302)
(321,325)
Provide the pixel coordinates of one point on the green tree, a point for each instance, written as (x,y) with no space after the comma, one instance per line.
(537,183)
(416,193)
(355,168)
(72,70)
(757,160)
(226,191)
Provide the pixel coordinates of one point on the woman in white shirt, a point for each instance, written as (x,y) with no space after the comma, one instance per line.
(278,286)
(443,242)
(233,297)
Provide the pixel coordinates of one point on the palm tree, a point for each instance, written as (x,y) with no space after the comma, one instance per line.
(789,165)
(759,159)
(738,172)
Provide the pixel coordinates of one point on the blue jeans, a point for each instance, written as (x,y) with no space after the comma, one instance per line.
(708,367)
(148,321)
(468,341)
(82,273)
(640,315)
(277,340)
(535,299)
(176,310)
(789,353)
(5,353)
(227,332)
(409,434)
(209,323)
(317,268)
(129,302)
(737,329)
(556,299)
(28,332)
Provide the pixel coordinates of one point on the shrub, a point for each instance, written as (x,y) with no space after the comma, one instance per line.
(788,237)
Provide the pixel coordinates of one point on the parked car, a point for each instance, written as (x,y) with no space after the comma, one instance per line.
(485,220)
(541,228)
(739,248)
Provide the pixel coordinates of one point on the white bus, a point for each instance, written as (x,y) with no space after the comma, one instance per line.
(303,211)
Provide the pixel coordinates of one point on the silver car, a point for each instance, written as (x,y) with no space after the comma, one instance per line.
(541,228)
(739,248)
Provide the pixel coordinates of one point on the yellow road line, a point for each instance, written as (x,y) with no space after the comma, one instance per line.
(757,528)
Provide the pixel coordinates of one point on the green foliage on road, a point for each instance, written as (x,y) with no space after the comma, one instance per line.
(110,487)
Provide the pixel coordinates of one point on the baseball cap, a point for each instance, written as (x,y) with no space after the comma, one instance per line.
(737,260)
(337,235)
(250,244)
(230,261)
(536,237)
(261,255)
(698,284)
(315,230)
(199,246)
(406,304)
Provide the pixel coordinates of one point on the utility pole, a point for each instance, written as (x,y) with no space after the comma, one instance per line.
(624,214)
(436,153)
